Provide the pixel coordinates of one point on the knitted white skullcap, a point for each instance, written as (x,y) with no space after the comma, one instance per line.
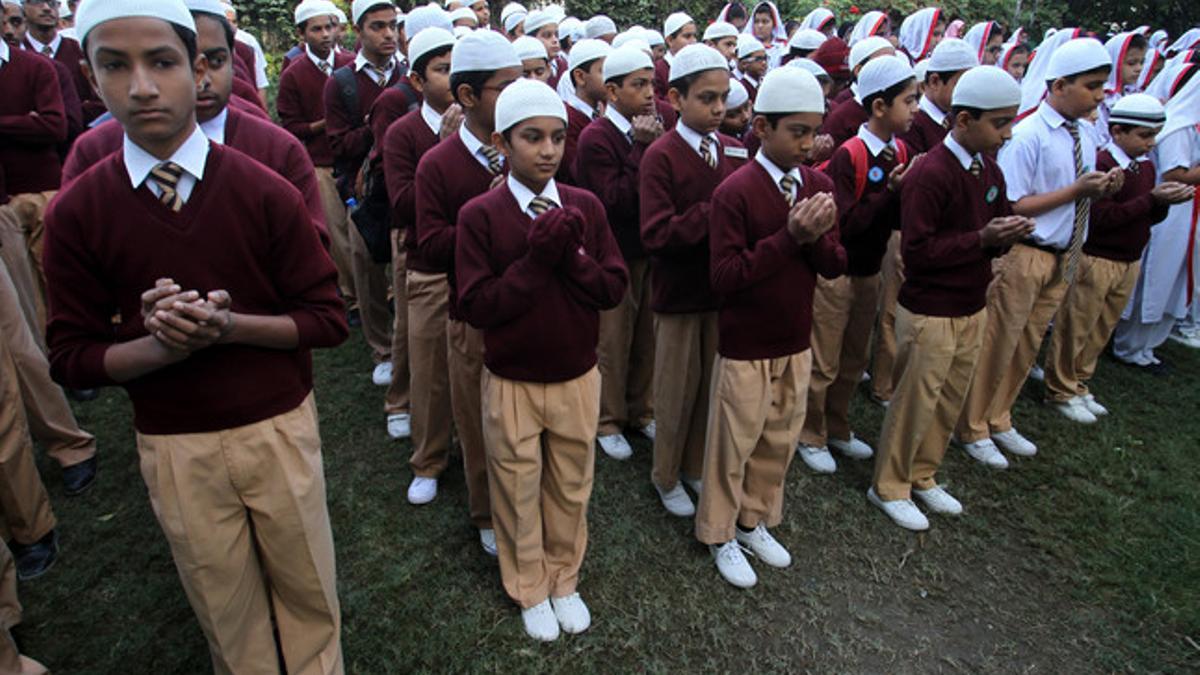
(308,9)
(625,60)
(737,94)
(719,29)
(881,73)
(483,50)
(428,40)
(599,25)
(512,14)
(921,69)
(205,6)
(674,22)
(695,58)
(986,88)
(427,16)
(1077,56)
(538,18)
(556,11)
(624,37)
(952,55)
(747,45)
(524,99)
(1139,110)
(585,51)
(807,38)
(655,38)
(789,91)
(811,66)
(864,49)
(92,13)
(464,13)
(530,48)
(360,7)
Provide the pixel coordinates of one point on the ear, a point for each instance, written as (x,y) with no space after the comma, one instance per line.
(466,96)
(611,88)
(878,107)
(500,144)
(761,126)
(416,81)
(675,99)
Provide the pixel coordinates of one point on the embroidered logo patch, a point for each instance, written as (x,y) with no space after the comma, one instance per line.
(992,193)
(875,174)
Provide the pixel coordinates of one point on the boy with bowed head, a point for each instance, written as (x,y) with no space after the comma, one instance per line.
(723,37)
(846,113)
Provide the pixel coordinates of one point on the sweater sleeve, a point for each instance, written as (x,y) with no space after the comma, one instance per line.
(597,276)
(49,124)
(737,264)
(435,227)
(662,228)
(291,109)
(927,245)
(349,138)
(399,171)
(487,299)
(302,175)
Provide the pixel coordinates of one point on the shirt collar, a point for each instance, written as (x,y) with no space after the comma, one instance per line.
(935,113)
(192,156)
(524,195)
(473,144)
(623,125)
(746,77)
(775,172)
(960,153)
(361,62)
(692,137)
(38,46)
(874,143)
(3,52)
(577,103)
(317,61)
(433,118)
(1052,117)
(215,128)
(1123,159)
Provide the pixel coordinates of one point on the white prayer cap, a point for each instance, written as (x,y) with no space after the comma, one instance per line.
(461,32)
(695,58)
(570,28)
(429,40)
(807,38)
(483,50)
(92,13)
(585,51)
(230,10)
(360,7)
(789,91)
(427,16)
(882,73)
(625,37)
(512,8)
(205,6)
(952,55)
(809,65)
(64,10)
(538,18)
(599,25)
(674,22)
(720,29)
(1138,110)
(15,3)
(921,69)
(464,13)
(524,99)
(986,88)
(625,60)
(747,45)
(530,48)
(655,38)
(308,10)
(866,48)
(738,96)
(1077,56)
(556,11)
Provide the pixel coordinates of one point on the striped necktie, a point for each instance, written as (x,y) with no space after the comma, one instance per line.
(947,122)
(888,153)
(325,67)
(976,167)
(166,176)
(539,205)
(380,74)
(706,152)
(788,185)
(47,50)
(1082,206)
(493,158)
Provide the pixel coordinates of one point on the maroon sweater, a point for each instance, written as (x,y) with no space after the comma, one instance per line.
(262,141)
(607,164)
(250,105)
(675,186)
(72,107)
(28,143)
(395,102)
(539,323)
(301,102)
(447,178)
(866,222)
(843,121)
(946,271)
(1120,225)
(349,135)
(106,243)
(662,75)
(923,134)
(576,121)
(765,279)
(404,144)
(70,54)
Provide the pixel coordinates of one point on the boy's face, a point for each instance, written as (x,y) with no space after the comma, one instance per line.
(534,149)
(589,81)
(704,106)
(764,24)
(380,34)
(481,110)
(727,46)
(14,25)
(318,34)
(736,120)
(212,95)
(988,133)
(682,37)
(536,69)
(790,141)
(1135,141)
(635,96)
(1077,98)
(658,51)
(995,45)
(549,37)
(897,117)
(141,69)
(435,85)
(483,13)
(1017,64)
(42,13)
(754,65)
(940,91)
(1131,67)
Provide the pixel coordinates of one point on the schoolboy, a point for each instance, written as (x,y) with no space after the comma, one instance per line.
(847,113)
(586,97)
(679,31)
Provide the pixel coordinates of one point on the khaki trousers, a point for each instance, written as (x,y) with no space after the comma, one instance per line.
(891,278)
(371,291)
(1086,320)
(626,356)
(30,209)
(685,346)
(396,400)
(15,255)
(541,459)
(1021,301)
(11,661)
(244,512)
(464,349)
(755,415)
(47,412)
(936,360)
(24,504)
(843,317)
(339,231)
(428,299)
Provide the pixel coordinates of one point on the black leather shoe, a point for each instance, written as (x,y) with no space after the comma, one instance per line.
(34,560)
(353,319)
(77,478)
(83,395)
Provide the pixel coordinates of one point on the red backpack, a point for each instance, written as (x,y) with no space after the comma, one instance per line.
(858,156)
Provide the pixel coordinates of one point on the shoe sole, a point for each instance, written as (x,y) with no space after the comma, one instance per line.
(31,577)
(878,503)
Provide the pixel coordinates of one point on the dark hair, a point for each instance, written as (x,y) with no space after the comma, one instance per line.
(507,133)
(585,67)
(797,53)
(472,78)
(303,25)
(944,75)
(383,4)
(187,36)
(422,63)
(790,25)
(772,118)
(684,84)
(736,11)
(764,8)
(1138,41)
(225,25)
(1123,128)
(888,96)
(975,113)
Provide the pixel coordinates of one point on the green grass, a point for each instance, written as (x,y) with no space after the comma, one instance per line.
(1084,559)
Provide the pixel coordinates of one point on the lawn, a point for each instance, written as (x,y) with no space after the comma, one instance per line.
(1083,559)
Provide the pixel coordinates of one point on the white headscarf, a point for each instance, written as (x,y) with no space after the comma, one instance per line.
(867,26)
(978,37)
(1153,58)
(1160,86)
(1157,39)
(1033,87)
(817,18)
(778,34)
(1183,109)
(1117,45)
(1017,37)
(1188,40)
(917,31)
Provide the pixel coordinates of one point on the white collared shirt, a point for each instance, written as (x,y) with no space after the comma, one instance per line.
(579,104)
(361,62)
(432,117)
(777,173)
(935,113)
(317,61)
(623,125)
(215,128)
(474,146)
(260,59)
(1040,159)
(192,156)
(3,53)
(692,138)
(38,46)
(524,195)
(960,153)
(874,143)
(1122,158)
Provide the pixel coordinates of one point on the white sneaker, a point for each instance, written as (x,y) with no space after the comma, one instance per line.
(1074,410)
(422,490)
(1093,405)
(763,546)
(1036,373)
(1014,443)
(399,425)
(985,452)
(817,459)
(732,564)
(902,512)
(649,430)
(676,501)
(540,622)
(693,483)
(1185,338)
(382,375)
(572,614)
(615,446)
(853,448)
(937,500)
(487,539)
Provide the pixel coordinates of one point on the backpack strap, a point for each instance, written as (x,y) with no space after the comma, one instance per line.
(348,85)
(901,152)
(858,158)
